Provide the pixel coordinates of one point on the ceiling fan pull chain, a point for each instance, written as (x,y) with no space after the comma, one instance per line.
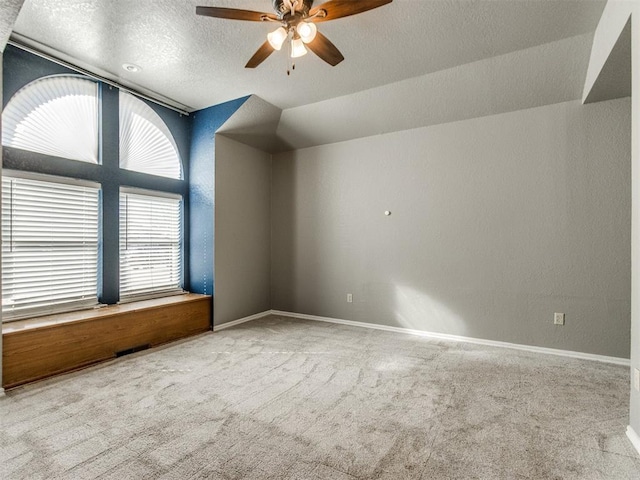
(289,59)
(291,65)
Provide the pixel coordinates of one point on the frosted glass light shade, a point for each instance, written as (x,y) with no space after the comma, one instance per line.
(307,31)
(277,38)
(297,48)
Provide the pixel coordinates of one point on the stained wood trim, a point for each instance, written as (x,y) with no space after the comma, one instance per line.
(49,321)
(41,347)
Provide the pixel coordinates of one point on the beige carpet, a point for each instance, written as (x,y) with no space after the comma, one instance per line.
(286,399)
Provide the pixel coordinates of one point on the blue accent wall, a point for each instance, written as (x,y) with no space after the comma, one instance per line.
(205,123)
(195,138)
(21,68)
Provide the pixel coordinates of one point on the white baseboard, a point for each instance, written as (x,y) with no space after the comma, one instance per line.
(457,338)
(633,436)
(233,323)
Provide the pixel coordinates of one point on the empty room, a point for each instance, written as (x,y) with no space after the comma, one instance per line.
(320,239)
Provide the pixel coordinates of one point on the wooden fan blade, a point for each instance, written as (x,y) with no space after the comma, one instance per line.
(233,14)
(326,50)
(344,8)
(260,56)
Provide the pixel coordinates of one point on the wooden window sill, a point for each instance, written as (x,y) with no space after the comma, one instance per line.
(40,347)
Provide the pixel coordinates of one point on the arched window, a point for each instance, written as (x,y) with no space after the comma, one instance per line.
(55,116)
(146,144)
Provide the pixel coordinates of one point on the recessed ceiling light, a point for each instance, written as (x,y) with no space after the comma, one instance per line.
(130,67)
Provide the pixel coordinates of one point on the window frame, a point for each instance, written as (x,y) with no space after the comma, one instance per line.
(96,142)
(27,68)
(147,295)
(134,106)
(69,306)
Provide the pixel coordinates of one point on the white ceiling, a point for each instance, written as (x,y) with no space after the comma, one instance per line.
(9,10)
(199,61)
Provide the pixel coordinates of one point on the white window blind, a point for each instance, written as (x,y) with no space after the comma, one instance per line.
(150,244)
(49,246)
(146,144)
(55,116)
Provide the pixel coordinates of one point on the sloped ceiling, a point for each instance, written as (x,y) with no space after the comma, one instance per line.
(199,61)
(409,64)
(255,123)
(542,75)
(9,10)
(614,80)
(609,73)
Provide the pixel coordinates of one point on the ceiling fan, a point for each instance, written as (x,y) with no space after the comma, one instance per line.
(297,19)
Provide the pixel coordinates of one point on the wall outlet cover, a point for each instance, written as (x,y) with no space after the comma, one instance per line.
(558,318)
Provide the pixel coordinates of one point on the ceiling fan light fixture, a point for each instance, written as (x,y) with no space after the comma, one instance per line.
(277,38)
(297,48)
(307,31)
(296,19)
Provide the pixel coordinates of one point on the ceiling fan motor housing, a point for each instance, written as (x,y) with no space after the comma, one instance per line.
(282,8)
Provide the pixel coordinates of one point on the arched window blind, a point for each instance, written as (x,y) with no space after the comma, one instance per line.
(146,144)
(49,245)
(150,244)
(55,116)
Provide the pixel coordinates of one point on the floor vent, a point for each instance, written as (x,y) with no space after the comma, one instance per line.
(128,351)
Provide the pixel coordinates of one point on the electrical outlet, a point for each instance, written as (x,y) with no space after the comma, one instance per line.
(349,298)
(636,379)
(558,318)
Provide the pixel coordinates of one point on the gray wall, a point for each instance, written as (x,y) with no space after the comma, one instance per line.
(242,230)
(634,406)
(497,223)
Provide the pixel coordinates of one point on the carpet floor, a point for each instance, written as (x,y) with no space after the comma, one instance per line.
(278,398)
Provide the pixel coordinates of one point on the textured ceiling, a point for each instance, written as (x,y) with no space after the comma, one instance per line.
(529,78)
(542,75)
(8,13)
(199,61)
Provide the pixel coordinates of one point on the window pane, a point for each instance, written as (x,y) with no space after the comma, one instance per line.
(49,246)
(55,116)
(146,144)
(150,245)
